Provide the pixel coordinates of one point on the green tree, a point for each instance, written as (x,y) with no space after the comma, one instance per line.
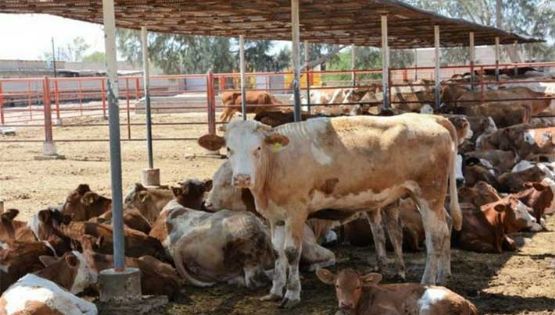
(72,51)
(96,56)
(530,17)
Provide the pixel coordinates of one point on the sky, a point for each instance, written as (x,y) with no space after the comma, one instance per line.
(28,36)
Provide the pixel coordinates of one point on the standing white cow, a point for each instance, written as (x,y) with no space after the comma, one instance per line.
(346,163)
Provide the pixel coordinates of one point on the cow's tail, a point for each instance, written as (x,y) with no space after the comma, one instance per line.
(454,206)
(184,273)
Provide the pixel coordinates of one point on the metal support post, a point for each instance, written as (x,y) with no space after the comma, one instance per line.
(242,74)
(295,56)
(115,145)
(471,55)
(385,63)
(437,67)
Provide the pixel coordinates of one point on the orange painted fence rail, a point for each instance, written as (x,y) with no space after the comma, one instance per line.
(46,102)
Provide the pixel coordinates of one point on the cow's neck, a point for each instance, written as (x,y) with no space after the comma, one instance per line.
(260,191)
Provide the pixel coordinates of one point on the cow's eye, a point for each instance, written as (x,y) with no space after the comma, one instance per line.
(229,150)
(259,148)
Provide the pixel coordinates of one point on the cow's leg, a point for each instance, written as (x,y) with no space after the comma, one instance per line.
(445,263)
(395,232)
(293,248)
(280,267)
(437,233)
(378,234)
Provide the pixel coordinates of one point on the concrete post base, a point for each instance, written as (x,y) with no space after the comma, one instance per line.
(151,177)
(122,286)
(58,122)
(49,148)
(120,294)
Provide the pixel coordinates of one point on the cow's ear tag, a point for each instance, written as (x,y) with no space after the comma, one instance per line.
(276,147)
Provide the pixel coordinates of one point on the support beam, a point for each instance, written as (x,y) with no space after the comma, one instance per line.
(437,56)
(385,63)
(497,53)
(242,75)
(353,65)
(307,71)
(151,175)
(296,58)
(471,55)
(115,145)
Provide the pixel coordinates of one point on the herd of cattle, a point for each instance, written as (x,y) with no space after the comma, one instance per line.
(471,177)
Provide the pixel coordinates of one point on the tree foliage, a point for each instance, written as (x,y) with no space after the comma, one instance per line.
(72,51)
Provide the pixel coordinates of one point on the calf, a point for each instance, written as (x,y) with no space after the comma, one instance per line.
(475,170)
(363,295)
(256,101)
(137,244)
(513,182)
(83,204)
(540,197)
(51,290)
(132,218)
(157,278)
(479,194)
(486,230)
(20,258)
(502,161)
(149,201)
(11,230)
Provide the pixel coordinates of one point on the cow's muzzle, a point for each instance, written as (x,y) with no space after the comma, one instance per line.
(242,180)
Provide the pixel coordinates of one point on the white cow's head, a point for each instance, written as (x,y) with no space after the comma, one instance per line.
(249,146)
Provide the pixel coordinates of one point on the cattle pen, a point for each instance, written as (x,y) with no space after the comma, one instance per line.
(68,116)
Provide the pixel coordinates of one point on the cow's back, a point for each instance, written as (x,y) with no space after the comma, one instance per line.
(350,155)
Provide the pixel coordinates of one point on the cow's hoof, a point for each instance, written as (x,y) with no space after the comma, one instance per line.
(270,297)
(288,304)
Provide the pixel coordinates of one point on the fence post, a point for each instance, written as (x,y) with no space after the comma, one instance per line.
(48,148)
(211,103)
(127,108)
(103,98)
(2,122)
(57,97)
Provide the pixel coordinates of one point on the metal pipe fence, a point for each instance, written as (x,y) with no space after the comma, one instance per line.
(81,102)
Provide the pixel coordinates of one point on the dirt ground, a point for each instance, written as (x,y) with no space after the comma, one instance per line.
(522,282)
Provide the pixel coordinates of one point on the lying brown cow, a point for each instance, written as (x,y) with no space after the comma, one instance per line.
(51,290)
(363,295)
(259,101)
(20,258)
(525,140)
(502,161)
(486,230)
(539,196)
(157,278)
(12,230)
(513,182)
(137,244)
(83,204)
(480,194)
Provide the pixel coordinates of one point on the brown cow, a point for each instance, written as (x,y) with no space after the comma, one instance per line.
(20,258)
(525,140)
(480,194)
(83,204)
(336,158)
(363,295)
(12,230)
(132,218)
(539,196)
(137,244)
(502,161)
(51,290)
(258,100)
(513,182)
(157,278)
(148,201)
(486,230)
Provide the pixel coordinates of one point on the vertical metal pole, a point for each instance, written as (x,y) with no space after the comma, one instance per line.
(115,145)
(146,80)
(211,103)
(57,98)
(517,56)
(2,121)
(127,108)
(242,75)
(296,57)
(48,146)
(497,58)
(437,64)
(307,71)
(471,56)
(353,65)
(415,64)
(54,58)
(385,63)
(103,91)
